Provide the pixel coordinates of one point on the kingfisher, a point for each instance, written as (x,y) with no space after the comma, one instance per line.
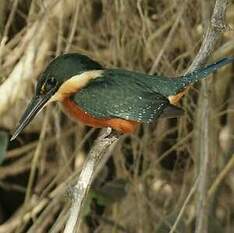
(115,98)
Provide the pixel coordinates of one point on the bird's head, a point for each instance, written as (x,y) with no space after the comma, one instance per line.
(59,71)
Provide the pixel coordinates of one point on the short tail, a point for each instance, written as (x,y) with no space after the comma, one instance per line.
(199,74)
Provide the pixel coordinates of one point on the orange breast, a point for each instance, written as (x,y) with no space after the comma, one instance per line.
(121,125)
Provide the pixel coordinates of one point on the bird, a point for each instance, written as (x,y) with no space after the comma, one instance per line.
(117,98)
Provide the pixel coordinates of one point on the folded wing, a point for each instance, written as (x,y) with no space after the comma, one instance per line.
(126,97)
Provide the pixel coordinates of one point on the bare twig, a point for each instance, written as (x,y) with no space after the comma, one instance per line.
(179,217)
(203,160)
(212,35)
(86,177)
(169,38)
(36,156)
(228,168)
(10,19)
(73,27)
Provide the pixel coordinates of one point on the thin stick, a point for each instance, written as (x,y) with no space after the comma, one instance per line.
(212,35)
(169,38)
(203,161)
(74,27)
(192,191)
(86,177)
(36,157)
(228,168)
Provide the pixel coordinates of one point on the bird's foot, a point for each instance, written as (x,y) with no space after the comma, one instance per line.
(109,133)
(106,132)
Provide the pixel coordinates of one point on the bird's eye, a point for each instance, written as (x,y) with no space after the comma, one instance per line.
(51,82)
(48,85)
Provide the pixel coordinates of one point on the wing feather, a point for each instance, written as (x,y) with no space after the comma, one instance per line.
(118,95)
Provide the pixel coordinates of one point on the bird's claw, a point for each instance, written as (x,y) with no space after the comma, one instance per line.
(106,132)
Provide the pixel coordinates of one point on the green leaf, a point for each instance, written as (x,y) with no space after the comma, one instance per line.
(3,145)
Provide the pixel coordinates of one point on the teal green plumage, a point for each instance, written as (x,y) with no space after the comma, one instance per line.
(65,66)
(118,95)
(125,97)
(135,96)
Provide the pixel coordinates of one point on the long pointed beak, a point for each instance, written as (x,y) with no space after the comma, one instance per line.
(36,104)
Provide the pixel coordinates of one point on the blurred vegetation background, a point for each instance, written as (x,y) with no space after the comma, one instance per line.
(150,174)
